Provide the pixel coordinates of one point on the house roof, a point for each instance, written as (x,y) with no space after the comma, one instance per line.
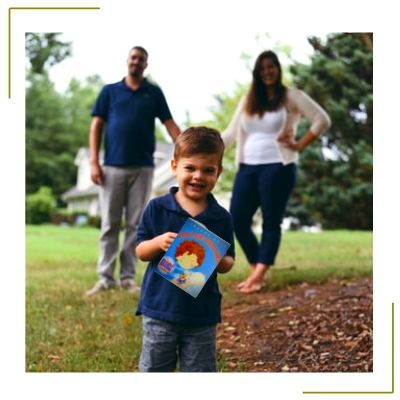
(75,193)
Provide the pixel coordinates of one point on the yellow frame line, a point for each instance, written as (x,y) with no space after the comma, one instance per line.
(377,392)
(10,9)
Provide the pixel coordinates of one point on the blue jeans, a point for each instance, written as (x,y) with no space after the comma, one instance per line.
(165,343)
(268,186)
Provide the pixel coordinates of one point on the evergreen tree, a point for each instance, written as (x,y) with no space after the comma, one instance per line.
(335,178)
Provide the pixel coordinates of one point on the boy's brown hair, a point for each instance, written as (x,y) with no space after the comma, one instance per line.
(199,140)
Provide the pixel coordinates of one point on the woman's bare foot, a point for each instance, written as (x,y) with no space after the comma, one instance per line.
(248,282)
(252,287)
(243,283)
(256,281)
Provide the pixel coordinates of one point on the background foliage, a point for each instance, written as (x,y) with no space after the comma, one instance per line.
(335,180)
(56,124)
(335,175)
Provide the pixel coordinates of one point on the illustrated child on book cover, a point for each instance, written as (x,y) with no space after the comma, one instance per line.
(192,257)
(189,255)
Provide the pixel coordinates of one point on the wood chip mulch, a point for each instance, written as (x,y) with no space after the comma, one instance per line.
(304,328)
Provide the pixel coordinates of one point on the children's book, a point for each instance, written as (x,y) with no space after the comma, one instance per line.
(192,257)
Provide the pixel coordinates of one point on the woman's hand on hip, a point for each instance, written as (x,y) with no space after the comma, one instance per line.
(290,143)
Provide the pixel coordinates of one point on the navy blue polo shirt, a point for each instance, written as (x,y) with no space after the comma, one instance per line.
(130,122)
(160,299)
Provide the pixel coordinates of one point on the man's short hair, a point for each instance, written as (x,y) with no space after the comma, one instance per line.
(199,140)
(140,48)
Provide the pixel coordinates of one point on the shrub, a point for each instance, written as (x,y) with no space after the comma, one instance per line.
(75,218)
(40,206)
(94,221)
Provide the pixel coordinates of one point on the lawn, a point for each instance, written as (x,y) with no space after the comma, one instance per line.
(67,332)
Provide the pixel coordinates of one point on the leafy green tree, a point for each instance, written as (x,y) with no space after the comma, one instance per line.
(44,50)
(221,116)
(49,160)
(335,178)
(56,124)
(79,99)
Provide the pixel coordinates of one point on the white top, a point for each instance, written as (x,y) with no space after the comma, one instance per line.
(296,105)
(260,145)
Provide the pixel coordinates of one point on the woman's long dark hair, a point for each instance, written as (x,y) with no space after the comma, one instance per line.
(257,99)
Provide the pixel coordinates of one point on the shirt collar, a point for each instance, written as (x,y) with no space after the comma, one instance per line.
(144,84)
(212,211)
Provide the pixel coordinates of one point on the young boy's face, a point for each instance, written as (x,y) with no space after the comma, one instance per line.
(196,175)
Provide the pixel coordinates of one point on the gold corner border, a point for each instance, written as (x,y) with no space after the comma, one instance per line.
(10,9)
(360,392)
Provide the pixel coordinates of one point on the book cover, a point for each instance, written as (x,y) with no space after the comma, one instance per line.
(192,257)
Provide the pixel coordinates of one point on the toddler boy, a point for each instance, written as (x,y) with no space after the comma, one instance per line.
(178,328)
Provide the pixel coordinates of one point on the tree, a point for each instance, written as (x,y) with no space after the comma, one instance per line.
(56,124)
(79,99)
(49,160)
(335,174)
(221,116)
(44,50)
(335,178)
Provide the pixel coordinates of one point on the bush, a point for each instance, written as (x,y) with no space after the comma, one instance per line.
(75,218)
(94,221)
(40,206)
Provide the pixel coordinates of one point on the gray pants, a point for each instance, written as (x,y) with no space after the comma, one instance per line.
(123,189)
(165,345)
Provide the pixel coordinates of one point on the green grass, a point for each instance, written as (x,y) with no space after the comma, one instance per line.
(67,332)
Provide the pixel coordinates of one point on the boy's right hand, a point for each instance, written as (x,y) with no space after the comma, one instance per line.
(165,240)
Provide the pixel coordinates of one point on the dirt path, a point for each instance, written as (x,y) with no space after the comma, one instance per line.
(304,328)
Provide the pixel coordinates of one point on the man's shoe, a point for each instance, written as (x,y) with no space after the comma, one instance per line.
(99,286)
(130,285)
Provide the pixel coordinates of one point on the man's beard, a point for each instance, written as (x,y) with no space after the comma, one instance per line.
(135,74)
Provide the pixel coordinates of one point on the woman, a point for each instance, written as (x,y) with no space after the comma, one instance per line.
(264,126)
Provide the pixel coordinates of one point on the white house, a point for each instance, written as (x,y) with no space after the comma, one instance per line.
(84,196)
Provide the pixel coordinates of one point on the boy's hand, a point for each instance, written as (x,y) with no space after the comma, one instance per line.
(149,249)
(165,240)
(225,265)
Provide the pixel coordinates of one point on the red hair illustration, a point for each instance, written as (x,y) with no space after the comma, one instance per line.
(191,247)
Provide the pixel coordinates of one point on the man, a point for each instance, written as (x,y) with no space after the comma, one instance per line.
(128,110)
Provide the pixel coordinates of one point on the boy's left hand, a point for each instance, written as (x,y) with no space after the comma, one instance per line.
(225,265)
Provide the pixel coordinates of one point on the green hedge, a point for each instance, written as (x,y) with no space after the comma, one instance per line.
(40,206)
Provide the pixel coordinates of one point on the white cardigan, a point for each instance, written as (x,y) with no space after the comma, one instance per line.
(297,104)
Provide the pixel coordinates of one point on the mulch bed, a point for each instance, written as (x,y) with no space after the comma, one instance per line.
(304,328)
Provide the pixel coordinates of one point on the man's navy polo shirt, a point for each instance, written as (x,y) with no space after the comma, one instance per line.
(130,122)
(160,299)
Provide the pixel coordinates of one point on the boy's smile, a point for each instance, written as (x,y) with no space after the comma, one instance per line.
(196,176)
